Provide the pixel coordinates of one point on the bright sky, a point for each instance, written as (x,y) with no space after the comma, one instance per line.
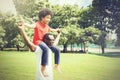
(80,3)
(8,5)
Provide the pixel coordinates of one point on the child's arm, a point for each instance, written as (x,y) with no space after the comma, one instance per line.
(31,26)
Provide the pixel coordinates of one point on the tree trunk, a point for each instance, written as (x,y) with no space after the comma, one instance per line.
(118,41)
(71,48)
(118,37)
(84,48)
(103,49)
(81,50)
(18,48)
(81,46)
(64,47)
(1,48)
(102,42)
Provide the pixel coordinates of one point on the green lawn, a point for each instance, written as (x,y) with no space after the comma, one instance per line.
(22,66)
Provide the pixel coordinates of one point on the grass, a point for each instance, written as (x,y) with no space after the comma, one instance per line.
(22,66)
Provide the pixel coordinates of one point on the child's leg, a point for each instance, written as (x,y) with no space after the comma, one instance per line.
(44,60)
(56,50)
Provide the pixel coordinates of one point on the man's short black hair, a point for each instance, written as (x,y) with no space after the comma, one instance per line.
(44,13)
(48,39)
(46,36)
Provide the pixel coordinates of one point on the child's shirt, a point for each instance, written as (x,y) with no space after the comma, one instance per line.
(39,31)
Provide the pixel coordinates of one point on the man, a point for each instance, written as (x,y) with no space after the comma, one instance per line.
(41,27)
(48,39)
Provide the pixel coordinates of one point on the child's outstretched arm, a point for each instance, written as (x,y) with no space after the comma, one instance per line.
(31,26)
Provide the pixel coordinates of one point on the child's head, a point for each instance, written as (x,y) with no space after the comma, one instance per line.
(45,15)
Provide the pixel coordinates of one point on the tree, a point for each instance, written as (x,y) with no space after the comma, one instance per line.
(18,42)
(30,8)
(9,32)
(2,34)
(72,18)
(24,7)
(109,15)
(67,17)
(88,35)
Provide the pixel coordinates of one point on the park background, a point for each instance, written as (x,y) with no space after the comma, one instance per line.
(89,42)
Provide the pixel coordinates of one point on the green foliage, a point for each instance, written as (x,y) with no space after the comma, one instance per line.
(109,15)
(18,41)
(74,21)
(70,34)
(9,36)
(30,8)
(25,7)
(92,34)
(65,15)
(2,34)
(8,24)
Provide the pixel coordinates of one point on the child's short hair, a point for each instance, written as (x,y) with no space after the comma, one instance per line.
(44,13)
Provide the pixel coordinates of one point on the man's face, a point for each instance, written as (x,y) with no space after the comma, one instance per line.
(50,40)
(46,19)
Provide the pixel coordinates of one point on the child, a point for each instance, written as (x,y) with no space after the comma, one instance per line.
(41,28)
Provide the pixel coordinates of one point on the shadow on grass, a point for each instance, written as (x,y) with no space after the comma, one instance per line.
(109,54)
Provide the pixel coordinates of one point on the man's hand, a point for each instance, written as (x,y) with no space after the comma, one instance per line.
(20,23)
(58,30)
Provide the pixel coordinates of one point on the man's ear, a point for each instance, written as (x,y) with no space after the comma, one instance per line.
(44,40)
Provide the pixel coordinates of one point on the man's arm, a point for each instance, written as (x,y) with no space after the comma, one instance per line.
(58,36)
(57,39)
(25,37)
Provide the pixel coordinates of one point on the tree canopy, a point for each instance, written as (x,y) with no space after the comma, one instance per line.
(80,26)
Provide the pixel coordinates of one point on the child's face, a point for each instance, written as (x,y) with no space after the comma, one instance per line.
(46,19)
